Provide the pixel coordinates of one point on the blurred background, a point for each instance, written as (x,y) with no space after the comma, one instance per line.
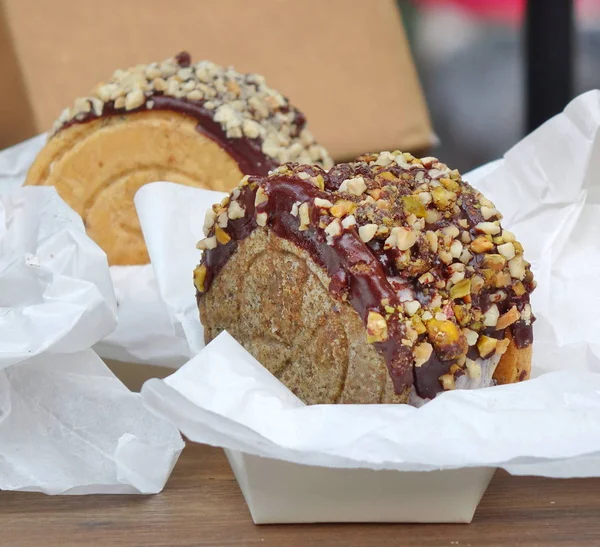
(462,79)
(471,57)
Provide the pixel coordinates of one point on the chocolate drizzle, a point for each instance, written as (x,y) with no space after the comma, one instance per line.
(246,152)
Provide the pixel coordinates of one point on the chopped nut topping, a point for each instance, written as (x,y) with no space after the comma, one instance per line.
(199,276)
(486,345)
(488,228)
(377,330)
(481,245)
(508,318)
(422,353)
(367,232)
(490,317)
(208,243)
(342,208)
(209,221)
(261,197)
(235,210)
(471,336)
(222,236)
(222,219)
(334,228)
(304,216)
(516,267)
(507,250)
(355,185)
(473,369)
(448,382)
(261,219)
(243,105)
(412,306)
(349,221)
(324,203)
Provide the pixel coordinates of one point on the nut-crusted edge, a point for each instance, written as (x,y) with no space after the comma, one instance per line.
(242,104)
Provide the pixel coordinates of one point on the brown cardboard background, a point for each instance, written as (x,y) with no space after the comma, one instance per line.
(345,63)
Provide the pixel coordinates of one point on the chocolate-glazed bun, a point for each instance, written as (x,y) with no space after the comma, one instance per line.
(386,280)
(196,124)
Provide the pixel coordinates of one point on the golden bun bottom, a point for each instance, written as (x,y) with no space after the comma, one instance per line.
(98,166)
(274,300)
(515,364)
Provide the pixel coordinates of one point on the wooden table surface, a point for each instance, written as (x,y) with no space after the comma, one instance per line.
(203,506)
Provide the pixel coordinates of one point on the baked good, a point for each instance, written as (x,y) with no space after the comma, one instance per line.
(386,280)
(201,125)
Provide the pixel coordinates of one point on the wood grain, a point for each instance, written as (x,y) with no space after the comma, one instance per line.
(203,506)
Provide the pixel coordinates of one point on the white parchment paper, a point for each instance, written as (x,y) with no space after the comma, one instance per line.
(144,333)
(548,187)
(67,424)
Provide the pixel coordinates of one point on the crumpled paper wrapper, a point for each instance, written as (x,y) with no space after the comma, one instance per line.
(548,187)
(144,334)
(67,424)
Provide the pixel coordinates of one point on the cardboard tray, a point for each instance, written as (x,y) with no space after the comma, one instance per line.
(283,492)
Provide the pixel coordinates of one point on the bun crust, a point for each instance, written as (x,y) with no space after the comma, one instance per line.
(97,168)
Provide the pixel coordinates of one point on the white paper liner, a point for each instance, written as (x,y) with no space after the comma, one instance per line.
(144,333)
(548,187)
(67,424)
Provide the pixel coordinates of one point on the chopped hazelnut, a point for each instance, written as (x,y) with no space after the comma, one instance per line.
(508,236)
(494,261)
(424,197)
(334,228)
(207,244)
(209,221)
(422,353)
(432,239)
(508,318)
(490,317)
(488,212)
(471,336)
(342,208)
(448,382)
(465,256)
(367,232)
(456,248)
(411,307)
(261,197)
(323,203)
(235,210)
(481,245)
(426,278)
(222,219)
(349,221)
(261,219)
(304,216)
(516,266)
(491,228)
(199,276)
(486,345)
(222,236)
(442,198)
(507,250)
(377,330)
(473,369)
(355,185)
(294,211)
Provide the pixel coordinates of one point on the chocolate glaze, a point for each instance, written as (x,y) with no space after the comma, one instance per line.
(362,274)
(356,273)
(246,152)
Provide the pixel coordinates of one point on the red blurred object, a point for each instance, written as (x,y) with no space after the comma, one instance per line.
(505,10)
